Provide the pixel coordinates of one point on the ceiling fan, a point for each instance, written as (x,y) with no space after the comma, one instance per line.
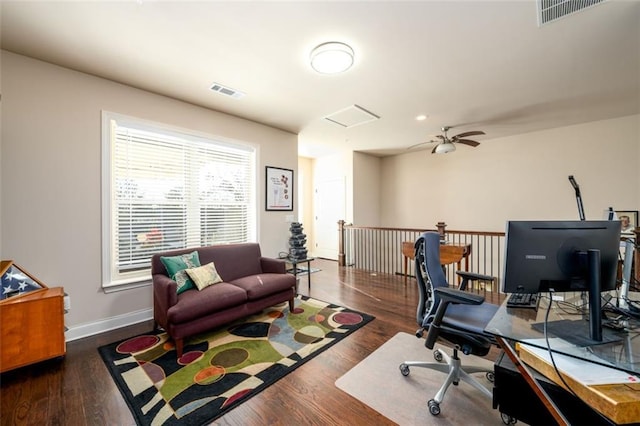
(446,144)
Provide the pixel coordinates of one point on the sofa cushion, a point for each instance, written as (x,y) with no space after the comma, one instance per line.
(261,285)
(233,260)
(204,276)
(193,304)
(175,264)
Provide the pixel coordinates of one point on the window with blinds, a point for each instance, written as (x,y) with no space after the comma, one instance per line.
(166,190)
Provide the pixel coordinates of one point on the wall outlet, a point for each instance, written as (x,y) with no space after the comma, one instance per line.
(67,302)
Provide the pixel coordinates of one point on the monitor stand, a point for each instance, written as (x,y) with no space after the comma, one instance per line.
(575,331)
(595,308)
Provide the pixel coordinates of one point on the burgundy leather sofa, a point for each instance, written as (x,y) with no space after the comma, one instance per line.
(250,284)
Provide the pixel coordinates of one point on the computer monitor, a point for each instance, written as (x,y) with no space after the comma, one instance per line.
(563,256)
(544,255)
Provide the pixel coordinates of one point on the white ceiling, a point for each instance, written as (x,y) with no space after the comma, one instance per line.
(473,65)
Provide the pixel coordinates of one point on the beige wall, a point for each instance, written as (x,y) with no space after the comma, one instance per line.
(51,168)
(305,202)
(519,177)
(366,189)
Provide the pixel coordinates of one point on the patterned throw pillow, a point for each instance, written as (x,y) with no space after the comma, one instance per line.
(204,276)
(184,282)
(176,266)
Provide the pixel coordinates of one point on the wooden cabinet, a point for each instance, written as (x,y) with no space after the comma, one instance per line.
(32,327)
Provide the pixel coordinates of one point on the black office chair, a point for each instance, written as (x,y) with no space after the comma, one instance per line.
(454,315)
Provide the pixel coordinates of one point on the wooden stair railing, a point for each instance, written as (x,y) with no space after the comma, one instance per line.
(383,250)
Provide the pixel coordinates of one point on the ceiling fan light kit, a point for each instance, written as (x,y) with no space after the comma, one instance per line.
(444,148)
(332,57)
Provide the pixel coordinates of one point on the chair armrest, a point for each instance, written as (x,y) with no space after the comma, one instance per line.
(274,266)
(448,295)
(471,276)
(164,296)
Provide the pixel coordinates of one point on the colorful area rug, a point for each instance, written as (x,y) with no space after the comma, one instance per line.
(226,366)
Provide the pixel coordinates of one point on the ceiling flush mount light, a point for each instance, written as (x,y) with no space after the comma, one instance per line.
(445,147)
(331,58)
(421,117)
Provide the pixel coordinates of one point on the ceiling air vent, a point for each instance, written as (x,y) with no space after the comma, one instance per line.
(551,10)
(227,91)
(351,116)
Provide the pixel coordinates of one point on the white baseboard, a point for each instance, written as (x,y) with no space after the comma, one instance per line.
(86,330)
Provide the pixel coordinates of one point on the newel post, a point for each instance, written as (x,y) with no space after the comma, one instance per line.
(341,256)
(441,229)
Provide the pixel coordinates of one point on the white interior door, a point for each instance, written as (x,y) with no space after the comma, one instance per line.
(329,209)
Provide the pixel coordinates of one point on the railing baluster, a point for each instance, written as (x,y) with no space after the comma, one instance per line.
(380,250)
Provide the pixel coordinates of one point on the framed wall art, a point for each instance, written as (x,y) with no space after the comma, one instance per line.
(279,190)
(629,219)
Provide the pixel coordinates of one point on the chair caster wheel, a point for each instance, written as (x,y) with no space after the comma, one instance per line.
(507,419)
(491,377)
(404,369)
(434,407)
(437,355)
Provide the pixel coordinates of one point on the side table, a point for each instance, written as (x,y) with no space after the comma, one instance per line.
(295,270)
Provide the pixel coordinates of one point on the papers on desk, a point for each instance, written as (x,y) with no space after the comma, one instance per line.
(583,371)
(613,393)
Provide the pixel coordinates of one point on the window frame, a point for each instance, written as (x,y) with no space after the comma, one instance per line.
(112,279)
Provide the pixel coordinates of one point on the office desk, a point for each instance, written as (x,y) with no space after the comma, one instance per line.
(522,325)
(449,253)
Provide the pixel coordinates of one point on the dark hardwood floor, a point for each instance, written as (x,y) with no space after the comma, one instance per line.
(78,390)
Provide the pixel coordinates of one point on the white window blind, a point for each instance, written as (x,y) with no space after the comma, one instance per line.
(169,190)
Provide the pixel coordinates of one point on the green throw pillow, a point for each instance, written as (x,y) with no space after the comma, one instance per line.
(176,266)
(204,276)
(184,282)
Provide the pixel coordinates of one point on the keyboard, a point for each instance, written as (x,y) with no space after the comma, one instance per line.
(522,300)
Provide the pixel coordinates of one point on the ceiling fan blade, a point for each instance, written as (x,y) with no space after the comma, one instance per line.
(433,151)
(418,144)
(441,137)
(468,142)
(421,143)
(471,133)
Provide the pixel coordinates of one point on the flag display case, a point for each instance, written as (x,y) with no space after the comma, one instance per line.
(16,281)
(31,319)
